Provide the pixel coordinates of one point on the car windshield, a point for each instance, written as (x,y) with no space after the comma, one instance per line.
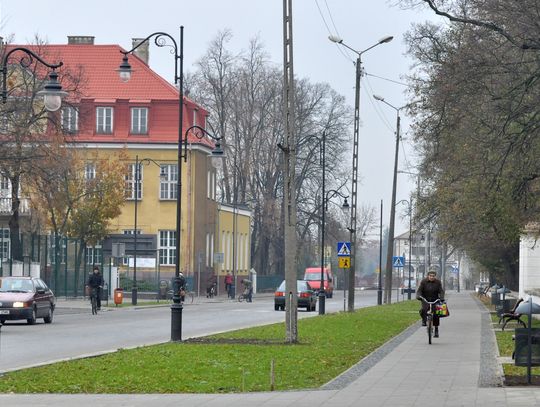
(15,285)
(300,286)
(315,276)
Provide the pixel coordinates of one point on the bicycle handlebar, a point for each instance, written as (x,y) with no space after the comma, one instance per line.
(430,302)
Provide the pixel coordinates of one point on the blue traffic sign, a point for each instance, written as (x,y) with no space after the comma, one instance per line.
(398,261)
(344,249)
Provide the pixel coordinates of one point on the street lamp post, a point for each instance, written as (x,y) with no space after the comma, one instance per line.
(345,207)
(52,99)
(137,174)
(410,243)
(52,90)
(379,286)
(389,253)
(354,194)
(325,197)
(124,71)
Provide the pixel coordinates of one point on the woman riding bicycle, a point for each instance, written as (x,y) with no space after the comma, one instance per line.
(430,289)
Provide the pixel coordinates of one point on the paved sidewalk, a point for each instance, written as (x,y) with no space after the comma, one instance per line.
(454,371)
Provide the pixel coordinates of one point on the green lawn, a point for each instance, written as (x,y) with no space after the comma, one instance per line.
(230,362)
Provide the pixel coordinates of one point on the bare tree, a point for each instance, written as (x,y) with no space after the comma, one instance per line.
(244,96)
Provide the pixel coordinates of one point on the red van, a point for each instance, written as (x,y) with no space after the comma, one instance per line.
(313,275)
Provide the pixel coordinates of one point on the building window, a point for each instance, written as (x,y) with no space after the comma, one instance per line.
(70,119)
(4,185)
(4,244)
(139,120)
(169,181)
(130,184)
(104,120)
(89,171)
(93,255)
(167,247)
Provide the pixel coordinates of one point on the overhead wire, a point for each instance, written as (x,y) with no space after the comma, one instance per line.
(340,49)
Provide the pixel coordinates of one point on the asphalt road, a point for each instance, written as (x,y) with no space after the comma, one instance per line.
(75,332)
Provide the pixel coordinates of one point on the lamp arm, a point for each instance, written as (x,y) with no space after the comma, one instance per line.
(200,134)
(25,63)
(161,42)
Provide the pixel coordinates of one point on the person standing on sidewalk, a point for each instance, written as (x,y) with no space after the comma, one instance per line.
(228,284)
(431,289)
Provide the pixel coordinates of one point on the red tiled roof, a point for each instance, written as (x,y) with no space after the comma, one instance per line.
(99,64)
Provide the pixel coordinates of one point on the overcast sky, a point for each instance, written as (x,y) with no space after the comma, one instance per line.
(361,23)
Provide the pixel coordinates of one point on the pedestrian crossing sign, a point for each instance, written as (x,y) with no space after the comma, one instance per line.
(344,249)
(398,261)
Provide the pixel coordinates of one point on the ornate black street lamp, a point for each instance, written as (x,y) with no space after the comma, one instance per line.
(217,155)
(137,175)
(326,196)
(345,208)
(162,39)
(52,90)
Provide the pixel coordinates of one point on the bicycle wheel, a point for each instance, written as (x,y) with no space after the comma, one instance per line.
(241,298)
(429,328)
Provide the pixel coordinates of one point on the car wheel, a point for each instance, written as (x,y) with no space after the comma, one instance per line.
(32,320)
(2,321)
(48,319)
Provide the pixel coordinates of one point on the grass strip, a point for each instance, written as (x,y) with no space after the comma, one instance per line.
(237,361)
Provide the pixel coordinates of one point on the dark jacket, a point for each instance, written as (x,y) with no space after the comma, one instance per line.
(95,280)
(430,290)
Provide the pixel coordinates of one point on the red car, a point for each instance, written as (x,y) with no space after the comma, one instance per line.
(307,297)
(25,298)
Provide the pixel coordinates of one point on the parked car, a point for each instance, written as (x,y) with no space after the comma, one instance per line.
(307,297)
(25,298)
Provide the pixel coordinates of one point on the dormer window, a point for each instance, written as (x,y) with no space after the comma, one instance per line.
(104,120)
(139,120)
(70,119)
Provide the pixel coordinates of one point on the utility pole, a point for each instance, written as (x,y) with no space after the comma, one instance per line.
(289,152)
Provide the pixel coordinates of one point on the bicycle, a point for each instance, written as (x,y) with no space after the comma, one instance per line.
(183,294)
(429,316)
(212,291)
(244,296)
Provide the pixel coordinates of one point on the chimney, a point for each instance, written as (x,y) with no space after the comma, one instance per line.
(80,40)
(143,51)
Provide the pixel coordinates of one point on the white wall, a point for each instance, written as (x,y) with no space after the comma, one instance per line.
(529,267)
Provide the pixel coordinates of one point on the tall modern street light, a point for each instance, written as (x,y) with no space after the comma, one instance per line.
(354,194)
(409,204)
(389,253)
(137,188)
(160,39)
(52,90)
